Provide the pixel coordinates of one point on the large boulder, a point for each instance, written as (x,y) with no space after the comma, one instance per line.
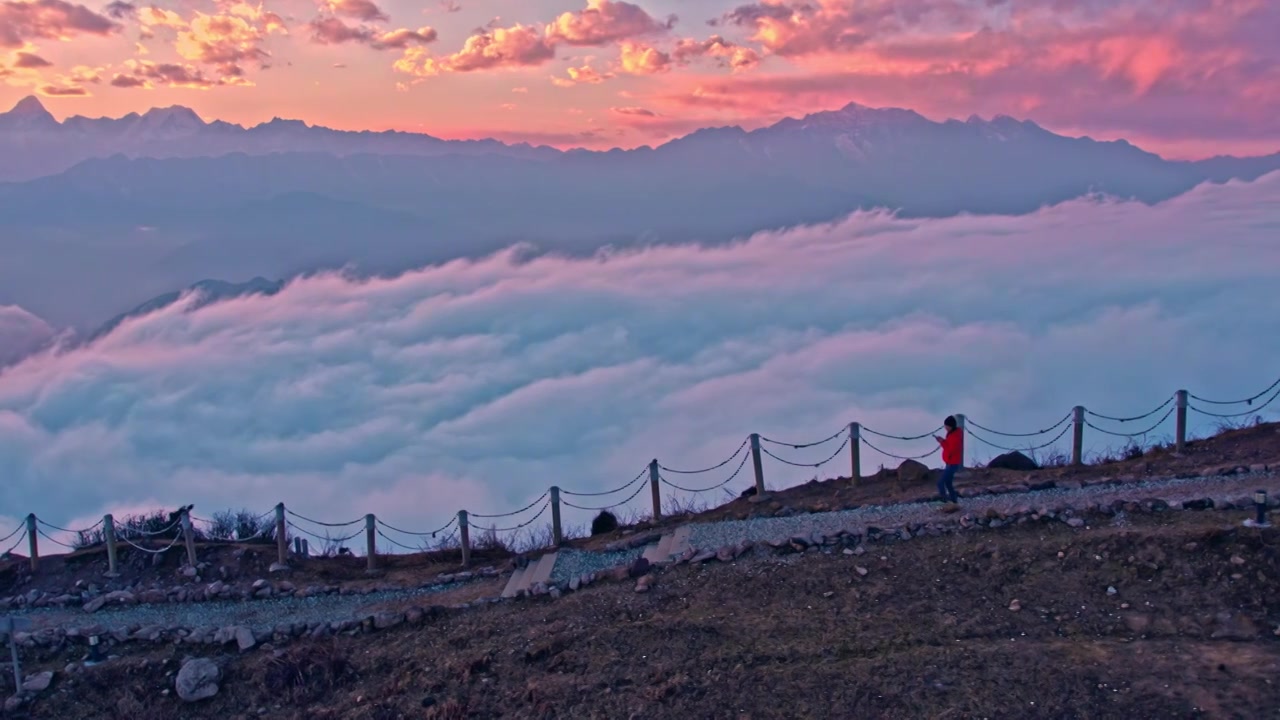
(1013,461)
(912,471)
(198,679)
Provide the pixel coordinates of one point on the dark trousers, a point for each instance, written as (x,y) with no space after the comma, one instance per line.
(945,487)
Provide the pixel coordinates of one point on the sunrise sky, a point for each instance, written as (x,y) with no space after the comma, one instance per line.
(1186,78)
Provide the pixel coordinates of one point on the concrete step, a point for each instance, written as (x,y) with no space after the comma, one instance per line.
(542,573)
(514,583)
(664,547)
(680,539)
(653,553)
(535,571)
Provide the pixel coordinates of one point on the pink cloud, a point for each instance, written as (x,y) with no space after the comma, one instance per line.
(511,47)
(55,91)
(728,53)
(148,75)
(1162,77)
(23,20)
(332,31)
(358,9)
(29,61)
(603,22)
(634,112)
(229,40)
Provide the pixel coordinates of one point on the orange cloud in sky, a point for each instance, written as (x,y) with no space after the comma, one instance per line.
(638,59)
(516,46)
(581,75)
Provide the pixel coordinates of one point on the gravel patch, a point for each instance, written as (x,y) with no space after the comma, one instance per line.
(572,563)
(732,532)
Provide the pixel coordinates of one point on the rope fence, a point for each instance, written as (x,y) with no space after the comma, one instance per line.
(754,448)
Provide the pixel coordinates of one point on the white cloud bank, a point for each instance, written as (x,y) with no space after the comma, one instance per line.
(480,384)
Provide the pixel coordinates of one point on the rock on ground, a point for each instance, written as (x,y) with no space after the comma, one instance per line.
(38,682)
(198,679)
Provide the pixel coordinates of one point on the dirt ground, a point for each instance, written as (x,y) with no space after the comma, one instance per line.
(927,633)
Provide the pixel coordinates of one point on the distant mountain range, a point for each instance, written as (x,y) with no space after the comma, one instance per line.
(34,144)
(111,212)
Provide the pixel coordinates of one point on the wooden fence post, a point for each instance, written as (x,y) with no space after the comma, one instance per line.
(855,453)
(960,426)
(655,490)
(557,536)
(464,533)
(109,536)
(188,538)
(756,465)
(371,527)
(1181,442)
(1077,438)
(282,541)
(32,544)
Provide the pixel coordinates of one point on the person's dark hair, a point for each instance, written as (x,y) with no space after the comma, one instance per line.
(950,422)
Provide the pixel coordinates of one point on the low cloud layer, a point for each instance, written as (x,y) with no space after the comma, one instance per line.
(478,385)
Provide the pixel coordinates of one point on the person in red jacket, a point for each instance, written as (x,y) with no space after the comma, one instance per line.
(952,458)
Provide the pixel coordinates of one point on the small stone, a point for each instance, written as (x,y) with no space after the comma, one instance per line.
(702,556)
(198,679)
(277,567)
(1016,605)
(847,551)
(189,572)
(244,638)
(384,620)
(95,604)
(861,570)
(12,704)
(639,567)
(575,583)
(38,682)
(860,550)
(1075,522)
(1237,560)
(725,554)
(642,585)
(554,592)
(259,584)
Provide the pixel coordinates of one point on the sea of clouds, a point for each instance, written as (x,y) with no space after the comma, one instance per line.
(477,385)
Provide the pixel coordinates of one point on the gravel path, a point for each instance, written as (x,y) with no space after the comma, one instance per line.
(263,614)
(254,614)
(715,535)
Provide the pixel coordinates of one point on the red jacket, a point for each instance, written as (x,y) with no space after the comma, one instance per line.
(953,447)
